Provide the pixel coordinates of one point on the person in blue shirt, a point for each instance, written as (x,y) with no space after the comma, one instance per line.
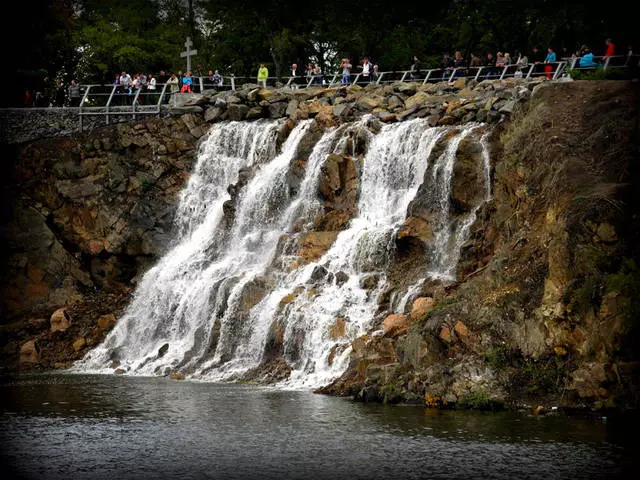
(587,59)
(186,83)
(549,60)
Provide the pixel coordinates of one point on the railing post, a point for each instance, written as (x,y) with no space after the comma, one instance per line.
(113,91)
(233,82)
(559,69)
(453,74)
(164,88)
(133,107)
(606,63)
(333,80)
(504,70)
(426,79)
(533,65)
(86,92)
(379,77)
(478,74)
(356,80)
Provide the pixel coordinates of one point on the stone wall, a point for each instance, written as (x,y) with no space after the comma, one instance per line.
(18,125)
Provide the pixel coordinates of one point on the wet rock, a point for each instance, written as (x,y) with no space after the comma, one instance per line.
(162,351)
(318,274)
(60,320)
(313,245)
(422,306)
(341,278)
(237,111)
(29,353)
(338,329)
(369,281)
(106,322)
(396,324)
(213,114)
(254,113)
(278,110)
(416,227)
(79,344)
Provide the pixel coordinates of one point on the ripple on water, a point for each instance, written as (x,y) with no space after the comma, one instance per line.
(77,426)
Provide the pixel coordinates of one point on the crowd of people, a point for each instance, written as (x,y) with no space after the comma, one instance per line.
(449,68)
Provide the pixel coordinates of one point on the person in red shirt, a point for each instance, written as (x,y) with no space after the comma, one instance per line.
(610,48)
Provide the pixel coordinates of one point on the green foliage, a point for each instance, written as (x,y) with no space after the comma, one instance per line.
(626,282)
(479,399)
(598,73)
(498,358)
(93,39)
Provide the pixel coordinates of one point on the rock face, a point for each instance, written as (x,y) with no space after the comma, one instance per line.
(84,214)
(532,319)
(60,320)
(545,298)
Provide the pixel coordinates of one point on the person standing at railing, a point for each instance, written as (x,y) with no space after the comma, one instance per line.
(186,83)
(549,60)
(217,80)
(174,84)
(374,74)
(151,83)
(490,64)
(611,48)
(445,65)
(366,69)
(263,74)
(74,94)
(415,68)
(346,71)
(459,64)
(318,79)
(60,94)
(587,60)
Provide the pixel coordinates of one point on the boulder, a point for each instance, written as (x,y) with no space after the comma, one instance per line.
(254,113)
(29,353)
(314,244)
(417,100)
(396,324)
(416,227)
(79,344)
(60,320)
(106,322)
(422,306)
(277,110)
(237,111)
(337,330)
(213,114)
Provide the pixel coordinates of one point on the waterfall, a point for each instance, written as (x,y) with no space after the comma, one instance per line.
(209,306)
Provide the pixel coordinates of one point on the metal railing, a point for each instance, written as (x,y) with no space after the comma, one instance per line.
(108,100)
(611,62)
(114,100)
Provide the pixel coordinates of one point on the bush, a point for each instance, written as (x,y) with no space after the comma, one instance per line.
(597,73)
(479,400)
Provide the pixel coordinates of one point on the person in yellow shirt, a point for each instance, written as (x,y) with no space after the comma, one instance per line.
(263,73)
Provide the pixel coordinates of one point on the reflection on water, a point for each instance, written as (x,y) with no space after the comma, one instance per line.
(72,426)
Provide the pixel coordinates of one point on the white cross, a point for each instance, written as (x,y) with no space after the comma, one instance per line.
(188,52)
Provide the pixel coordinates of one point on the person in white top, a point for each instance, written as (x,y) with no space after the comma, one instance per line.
(151,82)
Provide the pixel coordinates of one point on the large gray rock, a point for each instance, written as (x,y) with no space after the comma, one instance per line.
(237,111)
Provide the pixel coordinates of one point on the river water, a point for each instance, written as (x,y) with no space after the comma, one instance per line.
(111,427)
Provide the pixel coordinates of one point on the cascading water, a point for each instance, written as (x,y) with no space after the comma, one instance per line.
(187,313)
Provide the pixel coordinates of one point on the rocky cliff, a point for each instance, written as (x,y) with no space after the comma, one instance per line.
(545,303)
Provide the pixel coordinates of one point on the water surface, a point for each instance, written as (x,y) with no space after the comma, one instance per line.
(110,427)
